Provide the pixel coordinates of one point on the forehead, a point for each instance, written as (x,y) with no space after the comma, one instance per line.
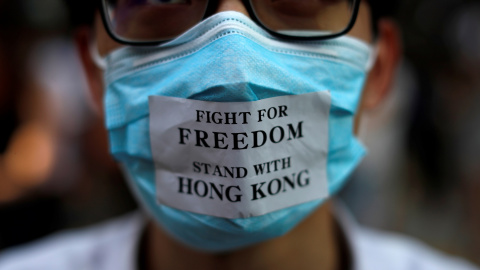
(361,30)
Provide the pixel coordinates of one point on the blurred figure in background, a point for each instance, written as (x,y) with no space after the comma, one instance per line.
(462,91)
(28,133)
(52,155)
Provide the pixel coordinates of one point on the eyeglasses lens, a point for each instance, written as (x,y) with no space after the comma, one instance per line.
(306,18)
(153,20)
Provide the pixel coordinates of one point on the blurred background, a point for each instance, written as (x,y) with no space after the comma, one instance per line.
(55,171)
(421,177)
(422,174)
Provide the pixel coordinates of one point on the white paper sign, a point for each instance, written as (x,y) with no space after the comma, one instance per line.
(240,159)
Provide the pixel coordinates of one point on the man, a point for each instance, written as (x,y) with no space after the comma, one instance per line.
(234,123)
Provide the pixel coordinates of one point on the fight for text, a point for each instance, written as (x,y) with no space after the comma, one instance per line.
(234,118)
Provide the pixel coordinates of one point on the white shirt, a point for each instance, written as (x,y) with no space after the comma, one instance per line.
(113,246)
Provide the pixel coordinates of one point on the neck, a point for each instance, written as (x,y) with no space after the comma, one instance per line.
(313,244)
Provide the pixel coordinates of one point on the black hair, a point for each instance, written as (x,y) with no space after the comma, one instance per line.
(82,12)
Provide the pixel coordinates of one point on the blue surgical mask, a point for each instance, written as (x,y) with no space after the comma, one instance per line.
(226,62)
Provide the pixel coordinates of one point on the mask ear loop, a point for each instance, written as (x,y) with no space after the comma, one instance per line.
(99,61)
(372,58)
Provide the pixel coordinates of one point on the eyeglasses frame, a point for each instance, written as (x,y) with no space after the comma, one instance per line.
(211,9)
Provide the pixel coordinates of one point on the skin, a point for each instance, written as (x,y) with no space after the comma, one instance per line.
(314,244)
(29,158)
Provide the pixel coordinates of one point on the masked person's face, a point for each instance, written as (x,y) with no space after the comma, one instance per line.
(230,133)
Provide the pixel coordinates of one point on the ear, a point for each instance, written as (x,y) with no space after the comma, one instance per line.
(380,78)
(94,74)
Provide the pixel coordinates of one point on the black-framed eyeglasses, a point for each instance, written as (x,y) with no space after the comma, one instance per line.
(152,22)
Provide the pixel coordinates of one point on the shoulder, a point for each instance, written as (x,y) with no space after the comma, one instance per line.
(382,250)
(374,249)
(110,245)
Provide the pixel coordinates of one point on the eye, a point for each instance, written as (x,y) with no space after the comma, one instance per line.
(303,7)
(167,1)
(144,2)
